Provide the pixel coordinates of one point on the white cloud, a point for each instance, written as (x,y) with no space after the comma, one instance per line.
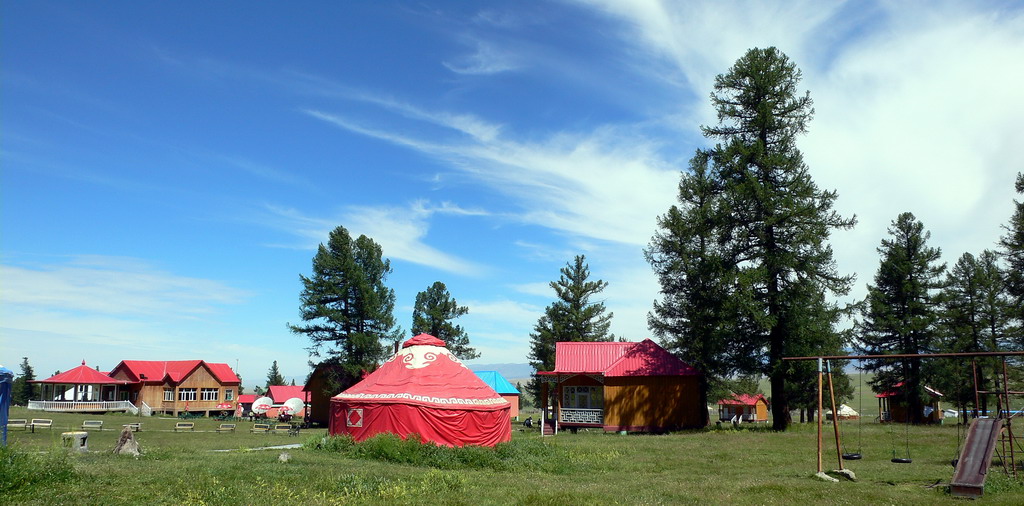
(115,286)
(485,60)
(401,231)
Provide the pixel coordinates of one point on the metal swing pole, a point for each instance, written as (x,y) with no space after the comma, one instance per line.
(819,414)
(835,414)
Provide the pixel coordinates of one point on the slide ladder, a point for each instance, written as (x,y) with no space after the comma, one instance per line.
(972,468)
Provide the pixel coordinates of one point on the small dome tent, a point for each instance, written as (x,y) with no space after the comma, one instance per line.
(425,390)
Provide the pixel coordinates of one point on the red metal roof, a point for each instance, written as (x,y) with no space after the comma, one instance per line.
(743,400)
(615,359)
(82,375)
(281,393)
(173,370)
(931,391)
(247,398)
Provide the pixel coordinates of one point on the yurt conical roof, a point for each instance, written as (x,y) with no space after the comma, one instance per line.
(423,372)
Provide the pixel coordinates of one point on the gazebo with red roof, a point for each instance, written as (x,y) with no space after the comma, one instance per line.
(743,408)
(423,390)
(621,386)
(83,384)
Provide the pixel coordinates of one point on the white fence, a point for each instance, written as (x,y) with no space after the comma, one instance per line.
(83,406)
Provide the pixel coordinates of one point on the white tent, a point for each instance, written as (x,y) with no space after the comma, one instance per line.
(845,413)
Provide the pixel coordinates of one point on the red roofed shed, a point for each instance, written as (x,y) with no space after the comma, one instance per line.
(622,386)
(744,408)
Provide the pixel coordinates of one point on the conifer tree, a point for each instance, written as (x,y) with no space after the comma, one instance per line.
(762,226)
(348,310)
(900,313)
(1012,249)
(572,317)
(274,377)
(433,312)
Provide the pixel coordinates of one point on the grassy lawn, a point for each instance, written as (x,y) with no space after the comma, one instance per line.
(707,467)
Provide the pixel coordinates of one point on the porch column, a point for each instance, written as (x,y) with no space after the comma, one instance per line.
(543,406)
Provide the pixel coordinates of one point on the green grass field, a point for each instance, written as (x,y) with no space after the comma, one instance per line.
(746,466)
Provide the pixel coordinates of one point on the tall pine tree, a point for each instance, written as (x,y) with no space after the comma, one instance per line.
(975,317)
(900,313)
(433,312)
(573,317)
(1012,249)
(274,377)
(348,309)
(765,223)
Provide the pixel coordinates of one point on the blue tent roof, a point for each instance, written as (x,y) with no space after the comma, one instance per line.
(497,382)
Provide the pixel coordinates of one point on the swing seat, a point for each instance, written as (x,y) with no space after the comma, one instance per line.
(852,456)
(901,461)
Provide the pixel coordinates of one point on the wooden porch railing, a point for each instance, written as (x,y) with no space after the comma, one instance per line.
(83,406)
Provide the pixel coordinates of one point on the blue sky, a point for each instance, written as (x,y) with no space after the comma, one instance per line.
(169,168)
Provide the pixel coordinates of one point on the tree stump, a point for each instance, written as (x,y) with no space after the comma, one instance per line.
(126,444)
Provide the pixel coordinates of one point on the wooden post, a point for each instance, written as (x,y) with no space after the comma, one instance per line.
(835,415)
(543,407)
(819,415)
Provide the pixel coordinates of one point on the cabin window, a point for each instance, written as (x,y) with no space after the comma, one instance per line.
(187,394)
(229,394)
(211,394)
(581,397)
(169,394)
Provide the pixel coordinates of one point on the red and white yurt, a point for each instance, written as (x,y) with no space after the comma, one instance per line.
(423,390)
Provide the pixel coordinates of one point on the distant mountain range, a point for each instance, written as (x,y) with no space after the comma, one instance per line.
(511,372)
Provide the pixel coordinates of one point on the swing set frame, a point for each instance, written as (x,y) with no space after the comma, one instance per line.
(1008,440)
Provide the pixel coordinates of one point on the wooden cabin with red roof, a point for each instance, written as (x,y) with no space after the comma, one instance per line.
(180,386)
(280,394)
(743,408)
(893,405)
(172,387)
(618,386)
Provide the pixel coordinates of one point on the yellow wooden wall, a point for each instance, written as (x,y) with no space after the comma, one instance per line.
(659,402)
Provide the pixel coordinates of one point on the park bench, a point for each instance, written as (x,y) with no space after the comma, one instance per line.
(17,423)
(185,426)
(135,427)
(226,427)
(282,428)
(42,423)
(93,424)
(260,427)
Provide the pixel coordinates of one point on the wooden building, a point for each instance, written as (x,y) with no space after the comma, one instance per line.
(892,405)
(743,408)
(620,386)
(152,386)
(504,388)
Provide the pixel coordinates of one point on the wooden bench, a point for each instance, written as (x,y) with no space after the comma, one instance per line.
(17,423)
(226,427)
(135,427)
(282,428)
(42,423)
(93,424)
(260,427)
(185,426)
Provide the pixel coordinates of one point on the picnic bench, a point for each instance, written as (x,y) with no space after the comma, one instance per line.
(135,427)
(185,426)
(17,423)
(260,427)
(42,423)
(92,424)
(282,428)
(226,427)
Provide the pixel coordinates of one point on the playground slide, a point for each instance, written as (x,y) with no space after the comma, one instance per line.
(972,468)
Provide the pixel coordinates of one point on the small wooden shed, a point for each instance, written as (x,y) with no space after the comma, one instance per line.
(621,386)
(743,408)
(892,405)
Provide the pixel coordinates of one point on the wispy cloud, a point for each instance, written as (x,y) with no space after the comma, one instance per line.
(602,185)
(485,60)
(113,286)
(401,231)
